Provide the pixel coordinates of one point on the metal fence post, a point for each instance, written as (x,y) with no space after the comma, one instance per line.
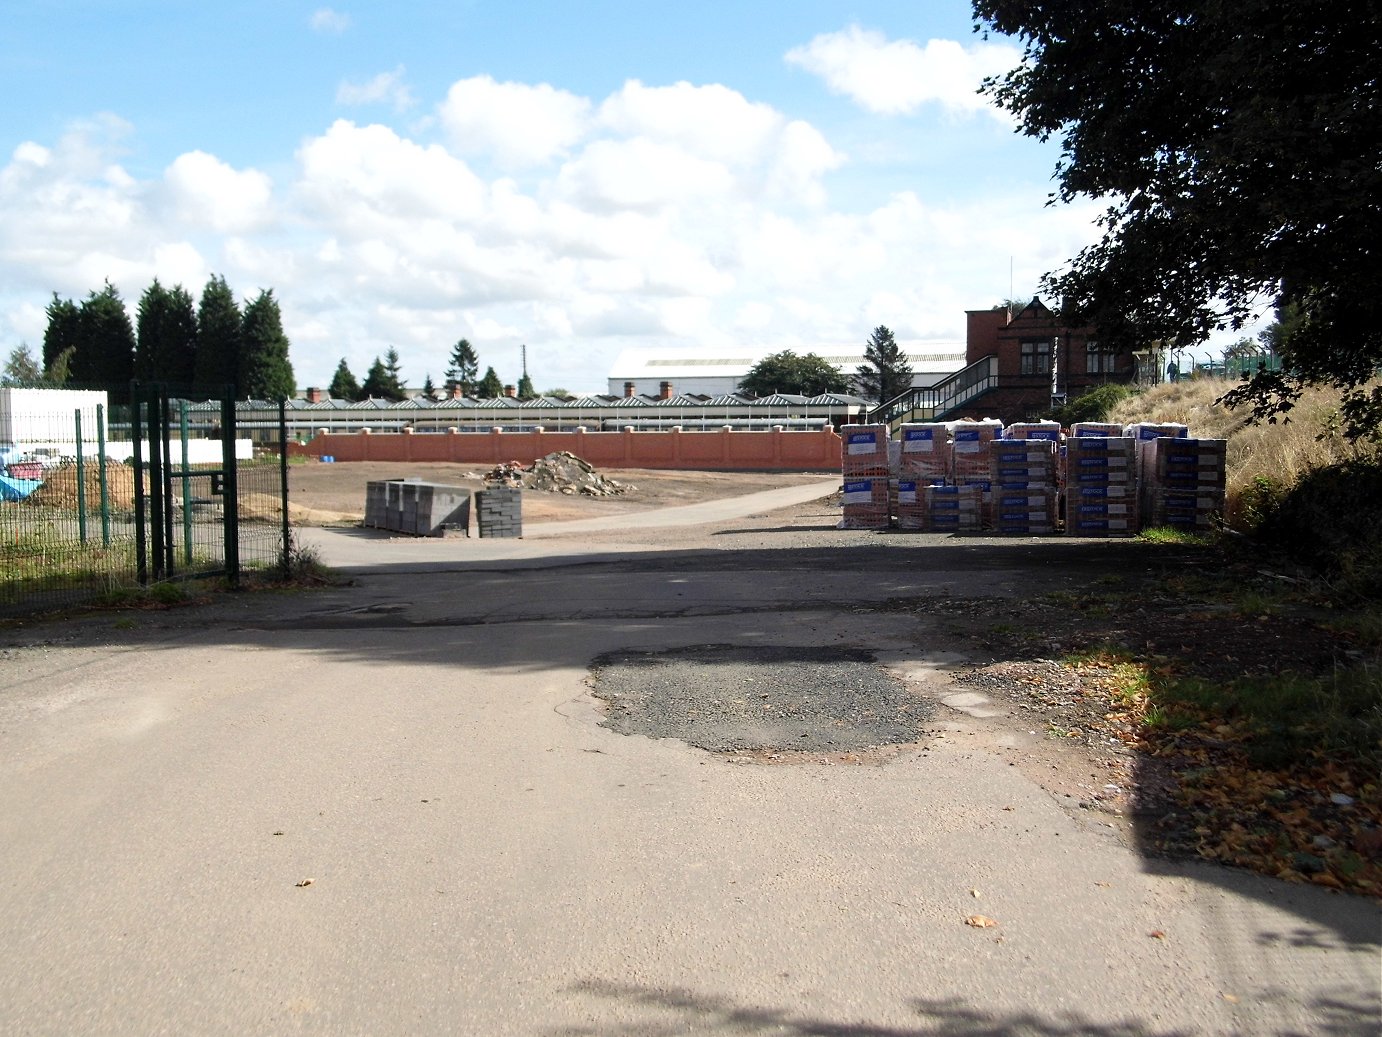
(283,485)
(81,483)
(101,473)
(231,486)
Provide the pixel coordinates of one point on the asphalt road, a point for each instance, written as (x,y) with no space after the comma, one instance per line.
(392,808)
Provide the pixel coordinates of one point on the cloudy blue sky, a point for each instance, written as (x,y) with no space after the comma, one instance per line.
(583,178)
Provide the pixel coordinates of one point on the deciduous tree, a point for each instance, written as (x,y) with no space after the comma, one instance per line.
(1235,146)
(786,372)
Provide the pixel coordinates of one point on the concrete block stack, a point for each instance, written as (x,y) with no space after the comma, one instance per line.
(1100,486)
(971,445)
(499,511)
(417,508)
(1024,486)
(1183,482)
(866,468)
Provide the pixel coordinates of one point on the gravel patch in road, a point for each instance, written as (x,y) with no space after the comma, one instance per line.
(728,698)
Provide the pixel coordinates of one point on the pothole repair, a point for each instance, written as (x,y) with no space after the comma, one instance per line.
(733,698)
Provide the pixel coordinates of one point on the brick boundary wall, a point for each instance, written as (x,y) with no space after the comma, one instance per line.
(672,449)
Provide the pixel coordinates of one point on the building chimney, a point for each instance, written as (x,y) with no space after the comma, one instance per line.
(664,390)
(628,390)
(457,390)
(510,392)
(315,395)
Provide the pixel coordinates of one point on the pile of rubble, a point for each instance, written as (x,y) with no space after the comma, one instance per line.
(564,472)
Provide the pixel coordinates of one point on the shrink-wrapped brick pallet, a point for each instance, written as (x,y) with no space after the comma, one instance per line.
(1183,482)
(1100,486)
(1146,433)
(1048,430)
(1023,473)
(939,509)
(865,450)
(924,454)
(971,445)
(1100,429)
(866,503)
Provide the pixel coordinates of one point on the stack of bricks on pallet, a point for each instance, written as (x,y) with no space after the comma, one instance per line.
(1024,486)
(1184,482)
(417,508)
(865,465)
(1145,433)
(1100,491)
(940,509)
(1096,428)
(970,463)
(866,504)
(925,453)
(499,512)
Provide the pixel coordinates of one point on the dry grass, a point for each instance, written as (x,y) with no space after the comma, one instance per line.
(1280,453)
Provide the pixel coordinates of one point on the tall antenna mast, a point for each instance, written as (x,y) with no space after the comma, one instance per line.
(525,360)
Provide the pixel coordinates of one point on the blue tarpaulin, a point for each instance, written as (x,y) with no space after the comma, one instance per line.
(17,489)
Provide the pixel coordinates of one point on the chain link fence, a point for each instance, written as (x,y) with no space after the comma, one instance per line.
(102,493)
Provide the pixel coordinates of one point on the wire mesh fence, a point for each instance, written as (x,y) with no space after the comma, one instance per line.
(97,496)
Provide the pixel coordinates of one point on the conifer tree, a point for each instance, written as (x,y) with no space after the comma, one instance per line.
(266,373)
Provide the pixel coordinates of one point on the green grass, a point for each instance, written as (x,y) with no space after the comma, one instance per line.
(1178,537)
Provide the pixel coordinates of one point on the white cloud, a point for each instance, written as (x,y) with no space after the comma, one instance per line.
(325,20)
(205,191)
(385,88)
(664,215)
(517,124)
(896,77)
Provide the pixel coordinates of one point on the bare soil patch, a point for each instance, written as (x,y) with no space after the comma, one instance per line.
(334,494)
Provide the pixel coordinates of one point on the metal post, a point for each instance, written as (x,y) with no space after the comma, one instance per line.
(141,544)
(81,483)
(283,485)
(230,486)
(186,488)
(101,473)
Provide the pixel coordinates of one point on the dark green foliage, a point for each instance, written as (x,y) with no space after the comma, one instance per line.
(525,388)
(343,384)
(1331,520)
(266,373)
(885,374)
(1235,145)
(382,381)
(429,391)
(464,367)
(490,386)
(219,334)
(1094,405)
(166,343)
(786,372)
(105,341)
(21,370)
(63,331)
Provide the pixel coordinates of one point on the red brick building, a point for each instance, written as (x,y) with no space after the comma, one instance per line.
(1038,359)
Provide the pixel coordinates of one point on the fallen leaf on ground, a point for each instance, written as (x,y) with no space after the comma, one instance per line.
(1157,934)
(980,921)
(305,882)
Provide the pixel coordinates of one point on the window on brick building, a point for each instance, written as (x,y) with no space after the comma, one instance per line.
(1099,360)
(1036,356)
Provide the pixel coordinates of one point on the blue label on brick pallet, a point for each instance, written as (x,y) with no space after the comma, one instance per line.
(1104,508)
(1103,461)
(858,491)
(907,492)
(1035,500)
(918,440)
(863,443)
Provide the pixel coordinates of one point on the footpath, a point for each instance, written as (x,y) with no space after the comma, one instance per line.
(393,807)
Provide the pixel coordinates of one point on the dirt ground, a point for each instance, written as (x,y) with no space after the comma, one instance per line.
(334,494)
